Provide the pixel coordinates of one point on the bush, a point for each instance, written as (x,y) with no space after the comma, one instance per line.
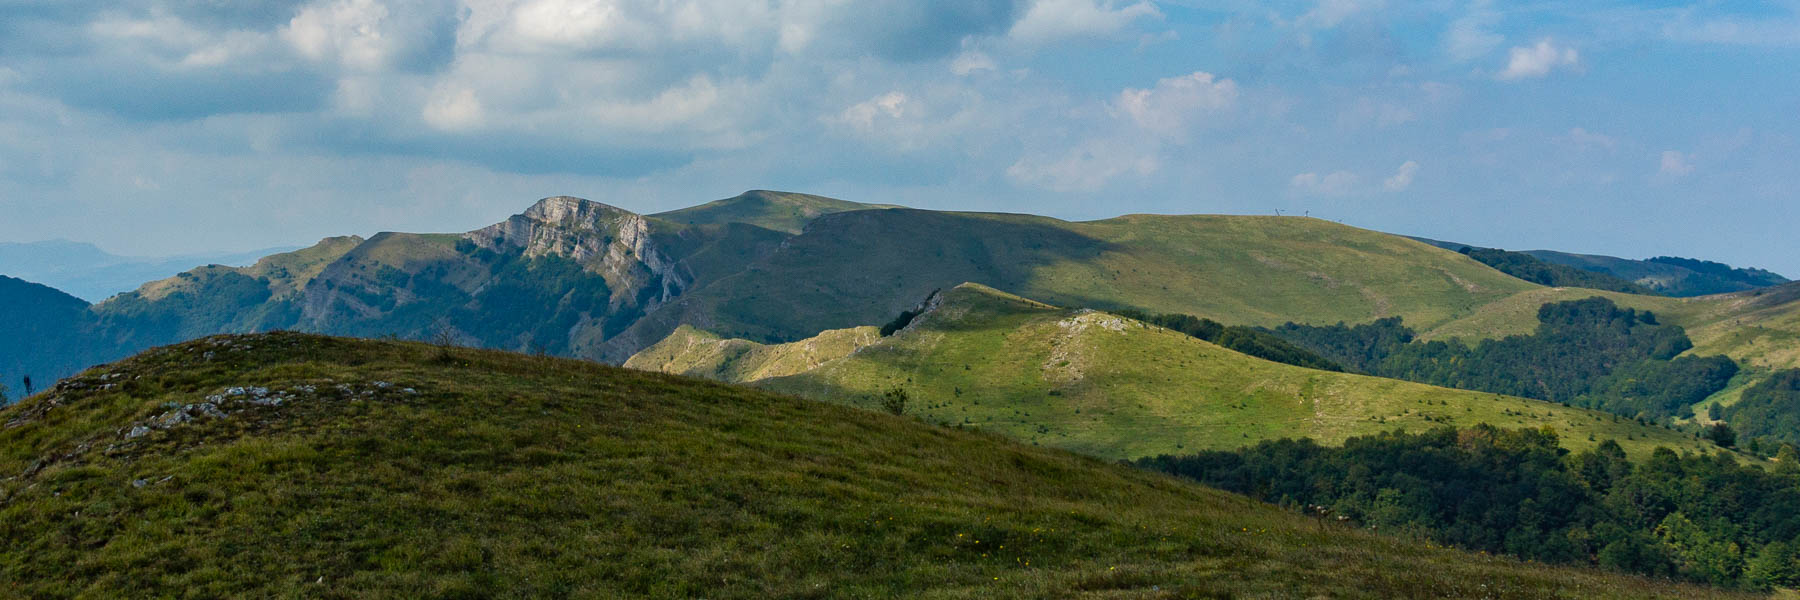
(894,401)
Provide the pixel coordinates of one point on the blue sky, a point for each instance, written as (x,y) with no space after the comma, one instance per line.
(1633,129)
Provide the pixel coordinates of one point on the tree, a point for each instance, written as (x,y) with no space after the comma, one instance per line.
(1787,461)
(1720,433)
(1773,565)
(894,401)
(1702,554)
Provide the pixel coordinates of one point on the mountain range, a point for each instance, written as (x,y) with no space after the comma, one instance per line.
(1024,352)
(578,278)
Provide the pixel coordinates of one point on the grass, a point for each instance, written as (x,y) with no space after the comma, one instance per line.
(856,268)
(779,211)
(1098,384)
(504,475)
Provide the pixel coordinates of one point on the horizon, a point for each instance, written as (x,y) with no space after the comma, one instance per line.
(293,244)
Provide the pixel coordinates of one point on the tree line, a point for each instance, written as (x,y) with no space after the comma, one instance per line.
(1589,353)
(1696,517)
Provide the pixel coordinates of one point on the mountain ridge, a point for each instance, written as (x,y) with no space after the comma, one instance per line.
(1105,385)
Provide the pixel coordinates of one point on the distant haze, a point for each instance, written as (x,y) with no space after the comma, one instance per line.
(87,272)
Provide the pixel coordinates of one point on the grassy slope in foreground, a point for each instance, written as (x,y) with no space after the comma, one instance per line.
(396,469)
(1112,387)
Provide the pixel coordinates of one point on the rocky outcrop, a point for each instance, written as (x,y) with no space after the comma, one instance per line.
(609,241)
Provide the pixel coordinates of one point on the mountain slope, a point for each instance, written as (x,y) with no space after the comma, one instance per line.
(779,211)
(1680,277)
(1099,384)
(1671,276)
(41,335)
(862,267)
(295,465)
(562,277)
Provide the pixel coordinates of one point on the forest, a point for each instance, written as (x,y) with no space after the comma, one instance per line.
(1702,518)
(1530,268)
(1590,353)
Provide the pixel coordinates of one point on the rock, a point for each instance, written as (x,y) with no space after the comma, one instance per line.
(137,432)
(138,483)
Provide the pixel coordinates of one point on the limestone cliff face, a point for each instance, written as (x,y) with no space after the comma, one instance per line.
(611,242)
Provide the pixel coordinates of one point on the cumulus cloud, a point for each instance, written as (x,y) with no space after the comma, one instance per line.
(1535,61)
(1336,183)
(1675,164)
(376,35)
(1050,20)
(862,116)
(1402,178)
(1176,103)
(1087,167)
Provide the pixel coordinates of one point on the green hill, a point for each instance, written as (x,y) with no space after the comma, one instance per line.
(855,268)
(1103,385)
(290,465)
(780,211)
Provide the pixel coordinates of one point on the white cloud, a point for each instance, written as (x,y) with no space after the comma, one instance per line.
(1336,183)
(863,116)
(1171,107)
(970,62)
(1583,137)
(1087,167)
(1675,164)
(454,111)
(1051,20)
(1470,36)
(1402,178)
(375,35)
(1531,62)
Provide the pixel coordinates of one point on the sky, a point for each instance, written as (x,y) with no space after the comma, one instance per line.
(154,127)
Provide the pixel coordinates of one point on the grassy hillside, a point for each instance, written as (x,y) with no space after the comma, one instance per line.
(856,268)
(690,351)
(292,465)
(779,211)
(1107,386)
